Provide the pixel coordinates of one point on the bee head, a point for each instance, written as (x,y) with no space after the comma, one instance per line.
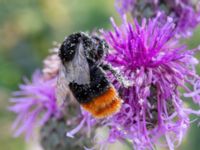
(99,48)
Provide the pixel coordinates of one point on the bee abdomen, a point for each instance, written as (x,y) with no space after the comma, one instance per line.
(104,105)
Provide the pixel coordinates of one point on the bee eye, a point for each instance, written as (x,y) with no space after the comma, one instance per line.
(100,52)
(102,49)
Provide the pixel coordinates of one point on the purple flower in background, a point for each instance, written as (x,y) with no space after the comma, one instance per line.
(185,13)
(34,104)
(124,6)
(153,108)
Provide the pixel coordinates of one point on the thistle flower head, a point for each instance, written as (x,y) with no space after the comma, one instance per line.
(159,66)
(34,104)
(185,13)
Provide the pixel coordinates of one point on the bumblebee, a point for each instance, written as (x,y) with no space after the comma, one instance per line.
(82,71)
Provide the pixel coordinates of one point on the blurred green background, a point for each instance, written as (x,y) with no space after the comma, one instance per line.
(27,30)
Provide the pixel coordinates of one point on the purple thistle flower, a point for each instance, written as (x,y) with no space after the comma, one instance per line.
(153,108)
(185,13)
(34,104)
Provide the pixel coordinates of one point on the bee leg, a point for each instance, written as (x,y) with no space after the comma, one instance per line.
(117,75)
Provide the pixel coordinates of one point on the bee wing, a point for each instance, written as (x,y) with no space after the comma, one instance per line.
(81,69)
(62,88)
(76,70)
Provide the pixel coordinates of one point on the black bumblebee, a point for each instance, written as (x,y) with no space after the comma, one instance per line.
(83,72)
